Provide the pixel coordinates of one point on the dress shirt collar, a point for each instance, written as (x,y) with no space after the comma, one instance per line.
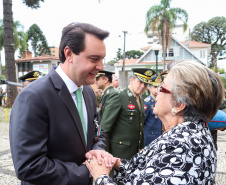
(72,87)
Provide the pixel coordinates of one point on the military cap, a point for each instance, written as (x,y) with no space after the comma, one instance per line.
(105,73)
(164,73)
(31,76)
(156,80)
(143,74)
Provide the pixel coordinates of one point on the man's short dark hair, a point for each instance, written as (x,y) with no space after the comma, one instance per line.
(73,36)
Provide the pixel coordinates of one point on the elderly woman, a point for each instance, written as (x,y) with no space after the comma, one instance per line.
(185,153)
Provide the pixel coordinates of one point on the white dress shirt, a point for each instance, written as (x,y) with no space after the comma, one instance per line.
(72,87)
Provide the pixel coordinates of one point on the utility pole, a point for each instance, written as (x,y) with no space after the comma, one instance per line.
(123,66)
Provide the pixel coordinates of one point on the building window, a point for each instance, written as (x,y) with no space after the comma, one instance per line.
(171,54)
(150,42)
(150,36)
(25,66)
(200,53)
(30,66)
(53,51)
(20,67)
(203,54)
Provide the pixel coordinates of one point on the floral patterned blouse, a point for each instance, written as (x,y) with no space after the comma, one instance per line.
(183,155)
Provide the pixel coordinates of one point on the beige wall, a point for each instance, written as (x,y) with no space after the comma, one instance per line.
(54,51)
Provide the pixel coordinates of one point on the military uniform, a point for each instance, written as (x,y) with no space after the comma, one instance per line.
(124,127)
(152,123)
(104,100)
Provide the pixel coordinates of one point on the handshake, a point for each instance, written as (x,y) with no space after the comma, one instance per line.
(100,162)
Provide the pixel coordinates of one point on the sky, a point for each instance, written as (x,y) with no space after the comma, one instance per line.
(114,16)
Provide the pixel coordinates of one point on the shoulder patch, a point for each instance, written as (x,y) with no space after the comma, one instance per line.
(147,99)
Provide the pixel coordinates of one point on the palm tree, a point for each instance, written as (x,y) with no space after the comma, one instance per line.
(162,18)
(9,45)
(20,37)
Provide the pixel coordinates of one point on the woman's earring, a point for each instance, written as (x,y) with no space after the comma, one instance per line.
(174,111)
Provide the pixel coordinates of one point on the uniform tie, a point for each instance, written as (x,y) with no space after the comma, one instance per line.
(78,93)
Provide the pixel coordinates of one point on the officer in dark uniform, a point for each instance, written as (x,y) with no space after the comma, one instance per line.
(123,124)
(104,82)
(30,77)
(152,123)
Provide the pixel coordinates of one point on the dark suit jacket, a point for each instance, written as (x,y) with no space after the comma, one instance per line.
(46,135)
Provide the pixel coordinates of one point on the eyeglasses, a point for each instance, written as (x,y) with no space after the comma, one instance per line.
(160,88)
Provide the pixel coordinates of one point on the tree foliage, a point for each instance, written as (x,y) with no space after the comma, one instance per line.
(34,4)
(38,40)
(133,54)
(20,37)
(9,45)
(162,18)
(212,32)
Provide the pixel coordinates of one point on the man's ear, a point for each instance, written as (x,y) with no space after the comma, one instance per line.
(68,54)
(131,80)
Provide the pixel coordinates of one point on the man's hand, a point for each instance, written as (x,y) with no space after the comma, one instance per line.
(95,169)
(100,155)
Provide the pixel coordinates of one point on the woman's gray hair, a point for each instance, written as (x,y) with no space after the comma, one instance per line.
(199,87)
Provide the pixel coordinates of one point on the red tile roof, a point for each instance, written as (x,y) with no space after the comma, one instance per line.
(133,61)
(43,57)
(193,43)
(127,61)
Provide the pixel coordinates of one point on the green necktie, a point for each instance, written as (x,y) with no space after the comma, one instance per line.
(78,93)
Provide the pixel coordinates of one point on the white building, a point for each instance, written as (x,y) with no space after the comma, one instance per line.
(178,51)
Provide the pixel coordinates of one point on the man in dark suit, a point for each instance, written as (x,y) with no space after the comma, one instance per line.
(52,127)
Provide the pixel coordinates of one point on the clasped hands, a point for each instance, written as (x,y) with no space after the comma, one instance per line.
(99,162)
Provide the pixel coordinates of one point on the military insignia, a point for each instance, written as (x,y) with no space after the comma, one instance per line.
(129,93)
(158,79)
(145,107)
(107,91)
(131,106)
(130,118)
(149,73)
(36,74)
(147,99)
(156,117)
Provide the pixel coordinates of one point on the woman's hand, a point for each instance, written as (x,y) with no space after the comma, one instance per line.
(96,169)
(109,160)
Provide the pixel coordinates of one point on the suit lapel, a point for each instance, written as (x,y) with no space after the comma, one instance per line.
(67,99)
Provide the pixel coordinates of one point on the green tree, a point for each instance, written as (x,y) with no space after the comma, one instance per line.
(9,45)
(34,4)
(133,54)
(212,32)
(118,55)
(162,18)
(20,37)
(38,40)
